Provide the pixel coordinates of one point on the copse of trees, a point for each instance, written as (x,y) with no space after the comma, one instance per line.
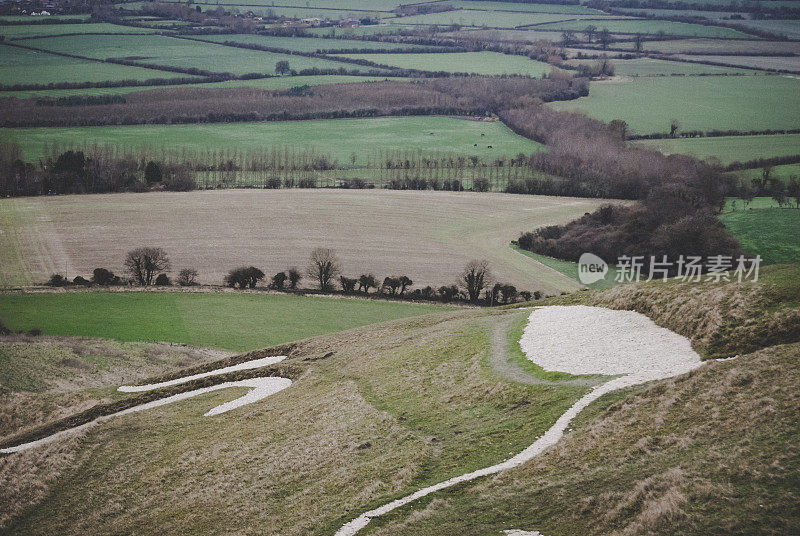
(475,277)
(187,277)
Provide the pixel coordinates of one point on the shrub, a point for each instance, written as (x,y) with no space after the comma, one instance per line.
(163,280)
(152,173)
(179,179)
(103,277)
(187,277)
(348,284)
(58,280)
(244,277)
(366,282)
(278,280)
(294,278)
(80,280)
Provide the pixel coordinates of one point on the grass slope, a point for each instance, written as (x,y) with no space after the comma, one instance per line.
(697,102)
(391,408)
(232,321)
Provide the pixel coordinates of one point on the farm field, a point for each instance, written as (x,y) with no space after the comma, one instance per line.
(657,67)
(273,82)
(491,19)
(308,44)
(689,46)
(570,269)
(233,321)
(573,9)
(783,173)
(338,139)
(169,51)
(729,149)
(379,231)
(650,27)
(20,32)
(698,103)
(785,28)
(778,63)
(773,233)
(460,62)
(21,66)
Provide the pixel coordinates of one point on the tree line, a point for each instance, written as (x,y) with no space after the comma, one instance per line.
(149,266)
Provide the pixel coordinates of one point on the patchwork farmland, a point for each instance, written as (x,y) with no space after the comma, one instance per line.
(319,267)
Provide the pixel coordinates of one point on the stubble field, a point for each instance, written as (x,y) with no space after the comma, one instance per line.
(425,235)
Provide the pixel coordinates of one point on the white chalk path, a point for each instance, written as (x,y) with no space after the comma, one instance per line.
(261,388)
(577,340)
(247,365)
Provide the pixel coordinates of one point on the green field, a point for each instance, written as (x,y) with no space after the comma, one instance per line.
(275,82)
(33,30)
(232,321)
(648,104)
(491,19)
(773,233)
(784,173)
(535,8)
(728,149)
(650,27)
(163,50)
(461,62)
(308,44)
(570,269)
(786,28)
(337,138)
(22,66)
(655,67)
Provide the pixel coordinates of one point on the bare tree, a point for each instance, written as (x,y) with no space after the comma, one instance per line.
(323,267)
(475,278)
(674,125)
(145,263)
(187,277)
(589,32)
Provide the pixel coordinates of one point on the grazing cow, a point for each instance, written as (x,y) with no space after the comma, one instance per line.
(474,144)
(488,146)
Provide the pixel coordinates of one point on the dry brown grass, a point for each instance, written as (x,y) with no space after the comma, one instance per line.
(428,236)
(48,378)
(417,391)
(709,452)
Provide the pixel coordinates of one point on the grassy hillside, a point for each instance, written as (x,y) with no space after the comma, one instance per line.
(380,411)
(706,453)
